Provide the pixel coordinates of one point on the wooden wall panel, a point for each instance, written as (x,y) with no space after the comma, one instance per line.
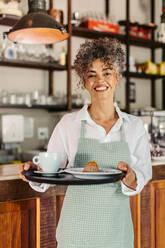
(160,218)
(48,222)
(146,221)
(135,211)
(59,203)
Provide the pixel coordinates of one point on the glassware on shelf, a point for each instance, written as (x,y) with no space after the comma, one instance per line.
(49,100)
(8,50)
(42,99)
(27,99)
(4,97)
(60,98)
(20,99)
(35,97)
(12,98)
(75,19)
(21,52)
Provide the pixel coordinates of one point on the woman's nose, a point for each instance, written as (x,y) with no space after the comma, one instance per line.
(100,80)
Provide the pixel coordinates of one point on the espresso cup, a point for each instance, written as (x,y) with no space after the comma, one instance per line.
(49,162)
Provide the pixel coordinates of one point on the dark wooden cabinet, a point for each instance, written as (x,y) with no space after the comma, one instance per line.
(18,224)
(27,217)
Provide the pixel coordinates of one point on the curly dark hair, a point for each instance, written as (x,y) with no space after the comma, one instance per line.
(108,50)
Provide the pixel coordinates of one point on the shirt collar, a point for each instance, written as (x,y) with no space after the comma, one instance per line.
(122,115)
(83,114)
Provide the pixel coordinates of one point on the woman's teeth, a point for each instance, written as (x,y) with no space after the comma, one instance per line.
(101,88)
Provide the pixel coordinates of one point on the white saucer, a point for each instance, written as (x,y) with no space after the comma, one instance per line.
(47,174)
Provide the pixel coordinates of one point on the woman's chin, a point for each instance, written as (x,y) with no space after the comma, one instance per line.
(102,96)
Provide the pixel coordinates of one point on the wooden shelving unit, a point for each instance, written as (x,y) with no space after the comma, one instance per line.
(92,34)
(144,75)
(33,65)
(128,41)
(8,20)
(46,107)
(11,20)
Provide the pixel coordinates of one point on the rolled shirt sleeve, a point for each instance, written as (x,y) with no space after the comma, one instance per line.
(140,162)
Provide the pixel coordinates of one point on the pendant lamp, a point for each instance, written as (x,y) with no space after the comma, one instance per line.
(37,27)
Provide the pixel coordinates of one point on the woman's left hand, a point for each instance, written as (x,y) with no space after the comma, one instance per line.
(130,178)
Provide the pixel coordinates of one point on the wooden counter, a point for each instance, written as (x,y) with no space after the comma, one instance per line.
(28,218)
(148,212)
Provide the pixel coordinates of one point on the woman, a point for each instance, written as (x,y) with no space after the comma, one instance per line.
(98,216)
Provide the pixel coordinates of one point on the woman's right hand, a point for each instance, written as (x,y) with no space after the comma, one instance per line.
(26,166)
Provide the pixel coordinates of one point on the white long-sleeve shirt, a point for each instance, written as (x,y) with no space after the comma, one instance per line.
(65,137)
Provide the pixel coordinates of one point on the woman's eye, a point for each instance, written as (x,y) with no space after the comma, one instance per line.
(90,76)
(107,74)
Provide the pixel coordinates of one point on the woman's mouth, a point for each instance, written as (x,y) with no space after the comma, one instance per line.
(101,88)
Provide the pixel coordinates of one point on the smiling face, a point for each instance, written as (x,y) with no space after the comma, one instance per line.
(101,80)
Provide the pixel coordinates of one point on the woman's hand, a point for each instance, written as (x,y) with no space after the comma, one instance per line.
(130,178)
(26,166)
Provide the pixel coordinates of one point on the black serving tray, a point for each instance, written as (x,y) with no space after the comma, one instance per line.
(68,179)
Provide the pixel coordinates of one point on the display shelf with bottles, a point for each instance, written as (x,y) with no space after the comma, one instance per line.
(128,40)
(136,41)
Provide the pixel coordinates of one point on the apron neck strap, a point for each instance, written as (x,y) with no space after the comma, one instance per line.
(122,132)
(83,129)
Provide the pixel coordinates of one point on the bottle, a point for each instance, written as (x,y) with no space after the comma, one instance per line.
(161,33)
(63,56)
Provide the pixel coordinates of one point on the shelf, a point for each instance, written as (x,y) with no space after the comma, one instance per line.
(92,34)
(33,65)
(144,75)
(145,43)
(45,107)
(8,20)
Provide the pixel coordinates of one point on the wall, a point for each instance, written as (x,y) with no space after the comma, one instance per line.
(27,80)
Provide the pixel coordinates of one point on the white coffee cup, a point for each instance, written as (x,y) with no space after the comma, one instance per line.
(49,162)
